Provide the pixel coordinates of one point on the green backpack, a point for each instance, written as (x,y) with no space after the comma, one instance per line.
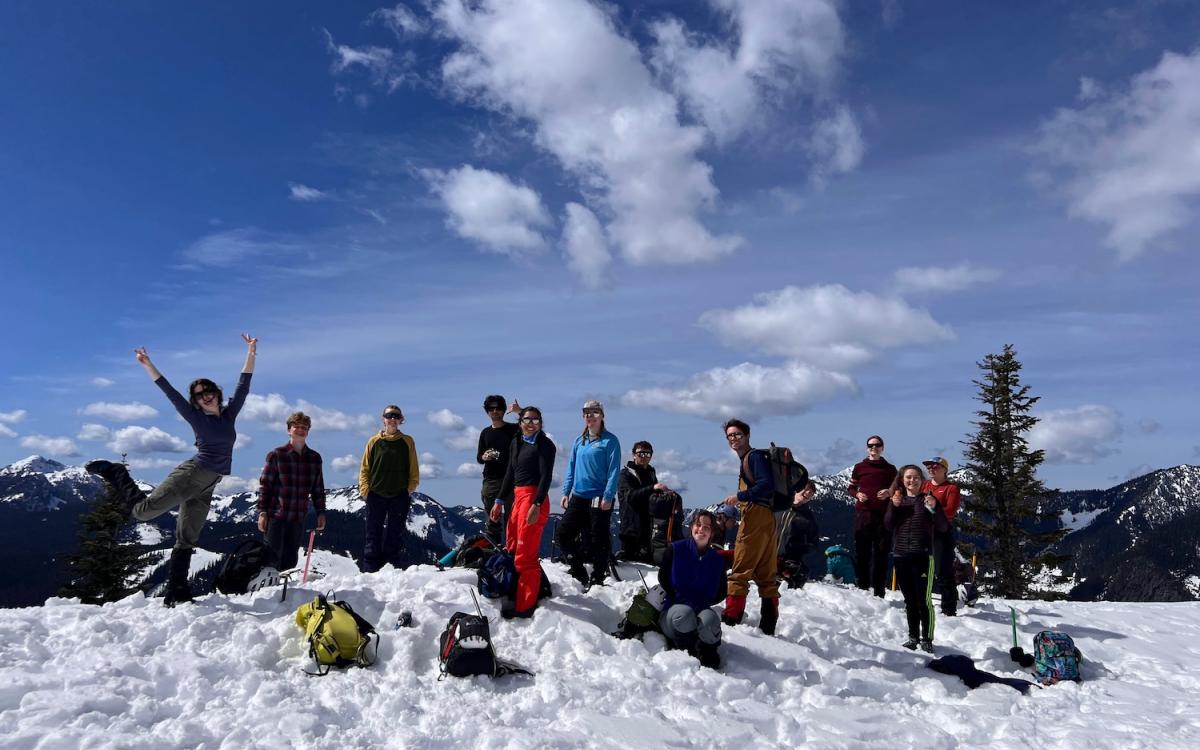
(642,615)
(337,636)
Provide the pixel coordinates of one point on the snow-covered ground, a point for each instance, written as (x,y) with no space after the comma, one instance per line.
(226,673)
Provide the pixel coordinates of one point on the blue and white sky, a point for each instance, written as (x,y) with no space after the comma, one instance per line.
(812,214)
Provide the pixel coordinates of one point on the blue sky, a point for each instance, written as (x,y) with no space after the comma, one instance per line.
(816,215)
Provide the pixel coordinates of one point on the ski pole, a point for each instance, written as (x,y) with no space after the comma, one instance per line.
(1013,610)
(312,537)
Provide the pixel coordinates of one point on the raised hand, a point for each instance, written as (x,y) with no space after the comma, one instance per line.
(251,343)
(142,357)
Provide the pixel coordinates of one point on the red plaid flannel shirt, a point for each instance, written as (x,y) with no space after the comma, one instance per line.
(288,479)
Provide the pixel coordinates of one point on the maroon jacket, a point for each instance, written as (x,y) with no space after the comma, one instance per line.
(870,477)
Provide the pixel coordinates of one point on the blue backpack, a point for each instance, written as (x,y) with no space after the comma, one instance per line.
(498,576)
(839,564)
(1055,657)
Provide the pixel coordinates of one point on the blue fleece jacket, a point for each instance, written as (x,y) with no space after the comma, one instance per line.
(691,578)
(594,467)
(762,489)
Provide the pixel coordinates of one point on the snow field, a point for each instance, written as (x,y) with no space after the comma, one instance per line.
(226,672)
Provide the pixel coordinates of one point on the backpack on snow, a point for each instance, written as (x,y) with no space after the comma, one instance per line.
(498,577)
(244,565)
(787,475)
(839,564)
(337,636)
(643,613)
(465,648)
(472,553)
(1055,658)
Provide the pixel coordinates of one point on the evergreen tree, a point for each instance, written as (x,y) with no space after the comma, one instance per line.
(109,562)
(1006,495)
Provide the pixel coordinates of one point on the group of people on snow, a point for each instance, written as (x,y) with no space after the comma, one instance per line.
(713,557)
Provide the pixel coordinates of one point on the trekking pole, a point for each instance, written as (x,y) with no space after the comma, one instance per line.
(312,537)
(1013,610)
(477,608)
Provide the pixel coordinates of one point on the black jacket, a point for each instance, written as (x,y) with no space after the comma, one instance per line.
(798,533)
(633,493)
(912,526)
(545,472)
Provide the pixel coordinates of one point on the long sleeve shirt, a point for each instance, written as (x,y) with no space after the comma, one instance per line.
(389,465)
(529,465)
(289,478)
(498,439)
(948,497)
(215,433)
(594,467)
(869,477)
(762,489)
(912,525)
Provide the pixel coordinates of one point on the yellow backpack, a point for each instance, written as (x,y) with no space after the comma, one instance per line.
(337,635)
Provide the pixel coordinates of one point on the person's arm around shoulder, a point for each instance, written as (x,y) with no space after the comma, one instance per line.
(364,470)
(414,467)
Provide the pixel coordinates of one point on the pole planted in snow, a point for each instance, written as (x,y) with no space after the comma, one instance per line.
(312,537)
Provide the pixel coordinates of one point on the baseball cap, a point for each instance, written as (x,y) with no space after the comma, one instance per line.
(593,404)
(937,460)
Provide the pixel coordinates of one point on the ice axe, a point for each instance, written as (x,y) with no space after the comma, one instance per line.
(312,537)
(1016,653)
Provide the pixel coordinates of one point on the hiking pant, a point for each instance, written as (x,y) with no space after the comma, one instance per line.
(284,539)
(584,516)
(387,523)
(494,529)
(682,625)
(914,574)
(189,486)
(754,557)
(525,540)
(943,554)
(872,545)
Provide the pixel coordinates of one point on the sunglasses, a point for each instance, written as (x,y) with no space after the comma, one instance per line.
(646,454)
(593,413)
(493,408)
(874,445)
(735,436)
(531,420)
(393,415)
(206,392)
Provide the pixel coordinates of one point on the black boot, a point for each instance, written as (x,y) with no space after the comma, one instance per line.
(708,654)
(769,616)
(117,475)
(178,589)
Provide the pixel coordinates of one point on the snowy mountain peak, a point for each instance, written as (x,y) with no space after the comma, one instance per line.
(34,464)
(39,484)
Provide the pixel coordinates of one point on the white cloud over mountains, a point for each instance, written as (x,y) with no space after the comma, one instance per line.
(1129,157)
(347,462)
(1081,435)
(50,446)
(491,209)
(273,409)
(120,412)
(92,431)
(136,439)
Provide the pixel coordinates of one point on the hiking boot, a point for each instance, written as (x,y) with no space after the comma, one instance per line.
(595,581)
(509,614)
(579,573)
(117,476)
(708,654)
(735,609)
(769,616)
(927,645)
(910,644)
(178,589)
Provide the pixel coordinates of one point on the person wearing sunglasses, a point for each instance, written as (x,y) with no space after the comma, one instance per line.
(870,486)
(589,489)
(527,477)
(494,443)
(637,483)
(388,476)
(754,552)
(190,485)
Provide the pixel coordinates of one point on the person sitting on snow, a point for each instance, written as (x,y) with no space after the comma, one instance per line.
(693,575)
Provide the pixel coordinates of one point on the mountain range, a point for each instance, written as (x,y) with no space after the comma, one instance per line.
(1137,541)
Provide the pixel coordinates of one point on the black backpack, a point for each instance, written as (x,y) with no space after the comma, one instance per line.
(465,649)
(787,475)
(242,565)
(666,514)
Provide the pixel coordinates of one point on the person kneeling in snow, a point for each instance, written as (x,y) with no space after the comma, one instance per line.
(693,575)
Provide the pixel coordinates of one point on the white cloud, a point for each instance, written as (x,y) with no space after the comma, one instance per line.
(50,446)
(840,454)
(402,21)
(430,467)
(242,440)
(1076,436)
(729,465)
(468,470)
(585,246)
(672,460)
(826,325)
(232,485)
(92,431)
(747,391)
(382,66)
(347,462)
(1149,426)
(672,480)
(273,409)
(103,382)
(6,431)
(466,440)
(942,279)
(144,464)
(12,417)
(491,209)
(836,145)
(563,66)
(135,439)
(446,419)
(120,412)
(782,48)
(304,193)
(1129,157)
(231,247)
